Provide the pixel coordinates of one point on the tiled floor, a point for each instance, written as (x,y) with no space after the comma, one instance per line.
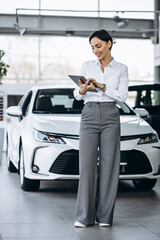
(49,213)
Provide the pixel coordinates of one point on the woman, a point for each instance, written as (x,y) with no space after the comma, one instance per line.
(99,132)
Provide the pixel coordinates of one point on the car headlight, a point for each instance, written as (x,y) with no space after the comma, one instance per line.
(47,137)
(149,138)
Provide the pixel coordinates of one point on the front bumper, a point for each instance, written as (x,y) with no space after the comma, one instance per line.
(61,161)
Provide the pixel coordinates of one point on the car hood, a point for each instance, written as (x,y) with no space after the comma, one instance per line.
(69,124)
(134,125)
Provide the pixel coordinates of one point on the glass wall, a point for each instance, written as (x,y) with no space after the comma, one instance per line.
(49,59)
(34,59)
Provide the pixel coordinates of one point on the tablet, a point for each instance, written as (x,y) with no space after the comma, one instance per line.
(76,79)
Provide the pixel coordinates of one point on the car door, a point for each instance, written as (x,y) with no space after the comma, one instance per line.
(17,125)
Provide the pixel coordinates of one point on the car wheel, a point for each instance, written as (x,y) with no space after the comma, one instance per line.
(10,165)
(26,184)
(144,184)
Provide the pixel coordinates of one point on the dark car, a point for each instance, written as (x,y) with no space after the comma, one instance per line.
(147,96)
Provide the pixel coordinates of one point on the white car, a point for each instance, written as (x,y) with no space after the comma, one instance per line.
(43,140)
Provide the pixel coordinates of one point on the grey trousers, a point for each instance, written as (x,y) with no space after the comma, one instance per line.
(99,129)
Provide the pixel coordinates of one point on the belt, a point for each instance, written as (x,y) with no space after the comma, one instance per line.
(100,103)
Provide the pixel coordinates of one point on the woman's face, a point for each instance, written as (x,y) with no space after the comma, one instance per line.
(100,48)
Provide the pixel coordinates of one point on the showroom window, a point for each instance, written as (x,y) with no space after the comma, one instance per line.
(49,59)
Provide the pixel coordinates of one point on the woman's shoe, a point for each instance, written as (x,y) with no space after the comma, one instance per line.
(78,224)
(104,225)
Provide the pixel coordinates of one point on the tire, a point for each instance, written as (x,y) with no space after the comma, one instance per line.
(26,184)
(10,165)
(144,184)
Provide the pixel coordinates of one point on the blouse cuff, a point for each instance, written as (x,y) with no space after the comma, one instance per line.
(77,95)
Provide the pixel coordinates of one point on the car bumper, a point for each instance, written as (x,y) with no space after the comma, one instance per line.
(61,161)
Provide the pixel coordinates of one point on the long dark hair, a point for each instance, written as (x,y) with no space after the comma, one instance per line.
(103,35)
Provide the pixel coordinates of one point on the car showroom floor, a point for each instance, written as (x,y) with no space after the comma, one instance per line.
(49,213)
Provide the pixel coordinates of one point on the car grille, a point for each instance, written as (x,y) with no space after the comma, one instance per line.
(66,163)
(132,162)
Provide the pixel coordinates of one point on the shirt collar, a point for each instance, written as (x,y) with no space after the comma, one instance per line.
(111,64)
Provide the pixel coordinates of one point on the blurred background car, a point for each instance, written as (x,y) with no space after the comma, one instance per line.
(147,96)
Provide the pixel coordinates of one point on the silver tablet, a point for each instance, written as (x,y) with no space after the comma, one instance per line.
(76,79)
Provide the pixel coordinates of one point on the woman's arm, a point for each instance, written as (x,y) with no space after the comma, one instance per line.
(79,92)
(121,93)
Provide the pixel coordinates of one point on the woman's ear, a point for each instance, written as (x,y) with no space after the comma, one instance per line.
(109,44)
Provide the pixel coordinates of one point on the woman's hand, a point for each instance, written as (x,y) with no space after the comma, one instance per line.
(97,84)
(84,87)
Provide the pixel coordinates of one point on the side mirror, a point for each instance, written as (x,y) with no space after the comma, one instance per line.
(143,113)
(14,111)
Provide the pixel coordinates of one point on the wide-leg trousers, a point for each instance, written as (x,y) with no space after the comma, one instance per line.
(99,141)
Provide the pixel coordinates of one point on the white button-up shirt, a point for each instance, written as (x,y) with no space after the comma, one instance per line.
(115,77)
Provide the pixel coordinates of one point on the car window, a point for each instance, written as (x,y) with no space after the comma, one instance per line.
(155,97)
(131,100)
(62,101)
(150,98)
(143,99)
(57,101)
(25,103)
(124,109)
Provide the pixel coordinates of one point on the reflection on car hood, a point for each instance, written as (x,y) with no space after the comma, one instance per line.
(134,125)
(69,124)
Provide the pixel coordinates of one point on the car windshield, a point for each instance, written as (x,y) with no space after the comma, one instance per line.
(62,101)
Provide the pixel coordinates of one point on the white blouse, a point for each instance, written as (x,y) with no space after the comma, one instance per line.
(115,77)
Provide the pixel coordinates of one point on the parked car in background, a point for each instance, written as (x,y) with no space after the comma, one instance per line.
(43,140)
(147,96)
